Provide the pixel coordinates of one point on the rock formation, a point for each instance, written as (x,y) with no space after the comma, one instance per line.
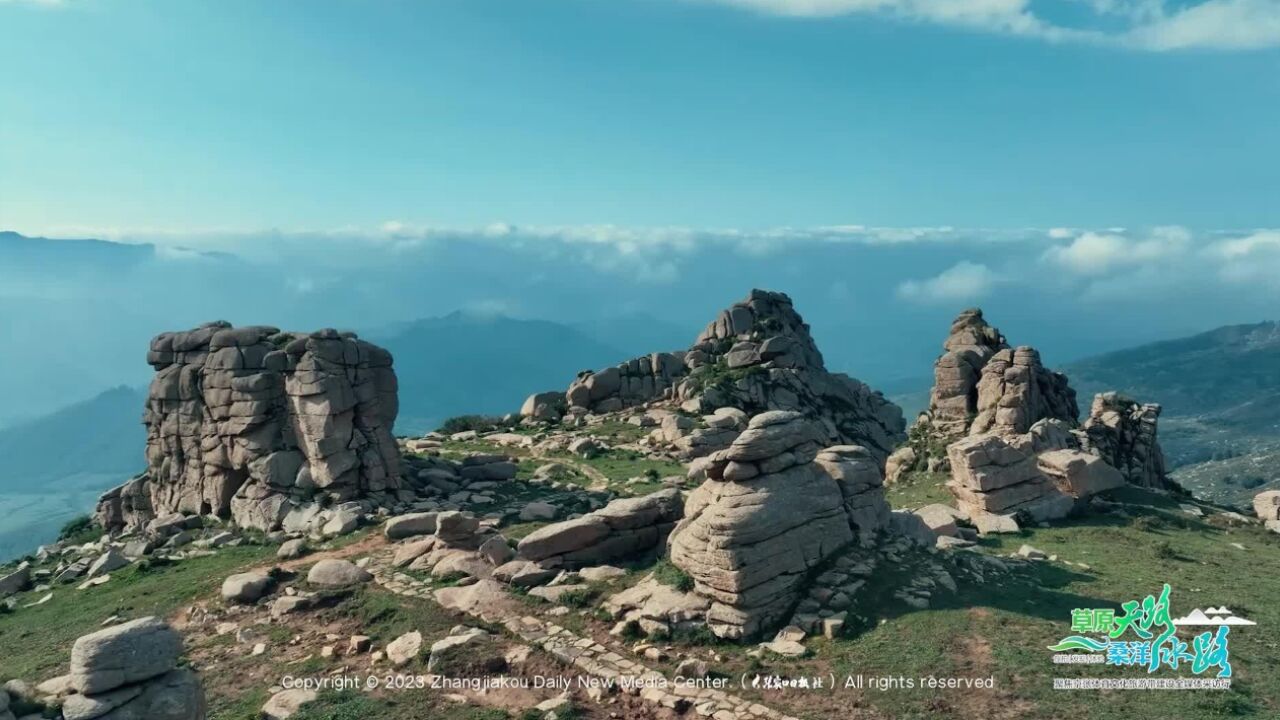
(953,401)
(1122,431)
(624,528)
(1015,444)
(244,423)
(774,506)
(1266,505)
(130,671)
(1016,391)
(757,356)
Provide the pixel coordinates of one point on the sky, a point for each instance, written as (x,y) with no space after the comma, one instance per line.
(124,116)
(1093,173)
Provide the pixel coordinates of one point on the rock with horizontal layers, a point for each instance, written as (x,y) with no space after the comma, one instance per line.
(990,476)
(403,526)
(245,423)
(953,400)
(176,695)
(753,531)
(332,572)
(1078,473)
(627,527)
(124,654)
(658,609)
(1016,391)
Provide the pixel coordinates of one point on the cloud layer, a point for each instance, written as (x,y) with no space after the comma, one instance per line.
(1153,25)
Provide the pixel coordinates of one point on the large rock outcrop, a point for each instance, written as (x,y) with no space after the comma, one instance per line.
(775,505)
(953,401)
(756,356)
(244,423)
(1016,391)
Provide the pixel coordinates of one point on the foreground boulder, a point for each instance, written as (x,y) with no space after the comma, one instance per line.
(130,672)
(628,527)
(768,514)
(244,423)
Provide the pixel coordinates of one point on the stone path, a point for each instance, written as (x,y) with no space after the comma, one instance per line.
(595,659)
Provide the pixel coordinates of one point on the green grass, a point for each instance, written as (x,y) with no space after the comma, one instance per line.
(917,489)
(405,705)
(37,641)
(621,465)
(617,431)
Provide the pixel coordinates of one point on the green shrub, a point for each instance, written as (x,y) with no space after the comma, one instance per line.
(672,576)
(479,423)
(79,530)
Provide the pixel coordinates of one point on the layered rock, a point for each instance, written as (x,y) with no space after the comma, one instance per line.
(1122,431)
(774,506)
(245,423)
(953,401)
(130,671)
(624,528)
(1266,505)
(757,356)
(1016,391)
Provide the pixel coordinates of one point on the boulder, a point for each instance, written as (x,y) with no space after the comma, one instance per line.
(404,648)
(124,654)
(940,519)
(1266,505)
(953,400)
(176,695)
(292,549)
(337,573)
(246,588)
(547,406)
(1122,432)
(403,526)
(287,703)
(624,528)
(108,561)
(16,581)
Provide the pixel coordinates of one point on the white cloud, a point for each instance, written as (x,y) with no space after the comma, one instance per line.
(1097,253)
(1153,25)
(963,281)
(1252,259)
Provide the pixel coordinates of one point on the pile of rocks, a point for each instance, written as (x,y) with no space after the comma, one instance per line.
(131,671)
(774,506)
(757,356)
(245,423)
(625,528)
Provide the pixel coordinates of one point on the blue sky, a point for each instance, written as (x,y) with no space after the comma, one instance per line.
(132,117)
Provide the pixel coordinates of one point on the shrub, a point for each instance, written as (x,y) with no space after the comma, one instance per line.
(79,530)
(672,576)
(479,423)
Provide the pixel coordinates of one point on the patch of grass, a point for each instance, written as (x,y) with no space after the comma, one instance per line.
(37,641)
(620,465)
(917,489)
(617,431)
(672,576)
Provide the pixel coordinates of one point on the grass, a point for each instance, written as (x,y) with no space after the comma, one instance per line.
(37,641)
(917,489)
(622,465)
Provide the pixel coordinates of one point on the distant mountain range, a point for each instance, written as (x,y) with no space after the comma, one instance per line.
(1221,396)
(473,364)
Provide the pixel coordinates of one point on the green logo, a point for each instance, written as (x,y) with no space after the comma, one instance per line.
(1144,634)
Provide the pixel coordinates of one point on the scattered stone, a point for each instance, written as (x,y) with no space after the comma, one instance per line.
(1031,553)
(337,573)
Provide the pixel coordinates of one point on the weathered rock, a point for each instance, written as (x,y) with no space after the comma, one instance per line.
(939,518)
(902,461)
(292,549)
(537,511)
(991,476)
(123,654)
(403,526)
(1266,505)
(404,648)
(1015,391)
(337,573)
(953,401)
(486,598)
(247,587)
(243,423)
(176,695)
(1078,473)
(110,560)
(1123,433)
(623,528)
(287,703)
(749,543)
(757,356)
(656,608)
(544,406)
(16,581)
(410,551)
